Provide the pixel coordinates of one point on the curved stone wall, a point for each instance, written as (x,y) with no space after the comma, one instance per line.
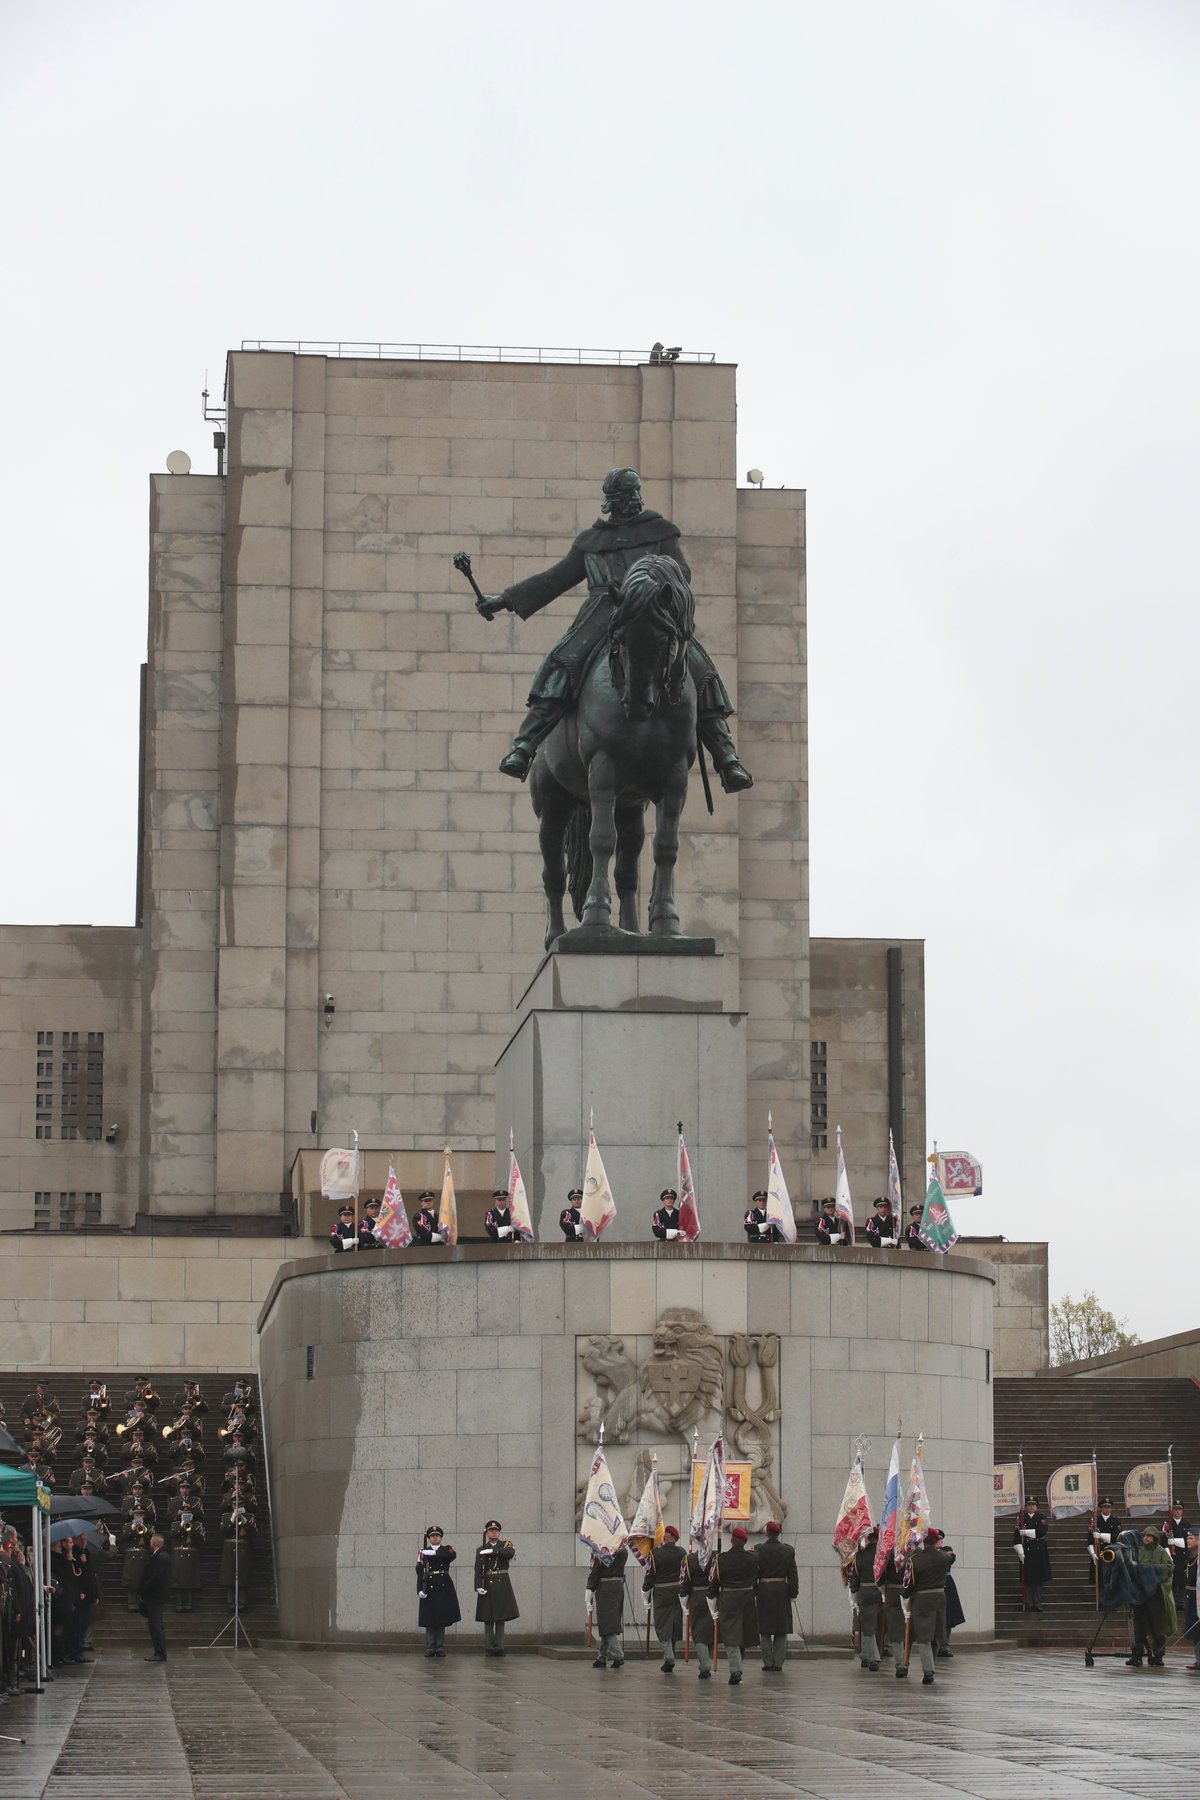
(447,1389)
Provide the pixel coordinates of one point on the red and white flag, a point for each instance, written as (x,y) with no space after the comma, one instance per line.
(855,1516)
(779,1205)
(392,1227)
(518,1200)
(843,1205)
(689,1212)
(599,1208)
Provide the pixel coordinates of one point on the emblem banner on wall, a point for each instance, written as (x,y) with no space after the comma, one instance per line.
(737,1490)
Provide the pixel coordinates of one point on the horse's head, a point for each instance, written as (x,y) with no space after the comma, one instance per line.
(648,635)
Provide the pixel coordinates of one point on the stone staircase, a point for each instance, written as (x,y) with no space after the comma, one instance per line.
(1061,1419)
(115,1629)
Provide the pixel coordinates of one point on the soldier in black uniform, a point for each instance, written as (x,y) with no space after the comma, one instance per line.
(881,1226)
(495,1601)
(570,1223)
(1104,1527)
(665,1223)
(661,1587)
(924,1586)
(1175,1529)
(777,1585)
(342,1235)
(693,1587)
(1029,1540)
(731,1586)
(1191,1616)
(830,1229)
(368,1227)
(912,1233)
(606,1585)
(424,1221)
(756,1225)
(498,1221)
(868,1597)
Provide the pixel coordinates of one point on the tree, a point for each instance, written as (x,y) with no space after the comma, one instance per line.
(1080,1328)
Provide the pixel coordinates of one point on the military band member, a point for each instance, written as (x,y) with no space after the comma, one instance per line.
(38,1407)
(498,1223)
(96,1449)
(495,1602)
(424,1221)
(186,1446)
(731,1588)
(190,1395)
(831,1231)
(96,1400)
(187,1535)
(606,1602)
(238,1530)
(92,1426)
(42,1451)
(1029,1541)
(777,1584)
(343,1233)
(661,1587)
(757,1226)
(924,1586)
(1104,1527)
(185,1501)
(186,1422)
(693,1587)
(139,1503)
(665,1223)
(140,1445)
(142,1393)
(135,1536)
(881,1227)
(238,1451)
(90,1473)
(868,1596)
(569,1219)
(240,1394)
(912,1235)
(436,1592)
(1175,1529)
(136,1419)
(187,1471)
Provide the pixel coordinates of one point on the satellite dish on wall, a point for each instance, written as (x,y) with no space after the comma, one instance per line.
(179,462)
(754,476)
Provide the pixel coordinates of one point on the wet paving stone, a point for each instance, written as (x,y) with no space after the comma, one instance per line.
(273,1725)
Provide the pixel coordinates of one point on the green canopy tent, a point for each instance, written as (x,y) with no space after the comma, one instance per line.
(20,1488)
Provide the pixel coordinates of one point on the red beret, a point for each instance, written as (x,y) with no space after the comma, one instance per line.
(774,1525)
(739,1533)
(670,1531)
(933,1535)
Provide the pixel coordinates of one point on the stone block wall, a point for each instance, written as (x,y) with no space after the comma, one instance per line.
(1021,1318)
(447,1390)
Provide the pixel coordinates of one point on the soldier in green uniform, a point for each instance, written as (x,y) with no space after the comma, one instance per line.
(924,1589)
(777,1585)
(889,1583)
(602,556)
(693,1587)
(662,1590)
(187,1535)
(731,1585)
(606,1587)
(868,1596)
(495,1602)
(136,1538)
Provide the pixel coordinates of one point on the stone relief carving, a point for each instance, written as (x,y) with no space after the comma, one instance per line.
(652,1394)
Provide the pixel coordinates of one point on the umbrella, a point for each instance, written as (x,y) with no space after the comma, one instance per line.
(80,1506)
(94,1534)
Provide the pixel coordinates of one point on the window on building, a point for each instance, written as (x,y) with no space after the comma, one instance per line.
(91,1209)
(95,1041)
(818,1099)
(41,1212)
(43,1131)
(69,1040)
(66,1211)
(69,1133)
(93,1131)
(45,1039)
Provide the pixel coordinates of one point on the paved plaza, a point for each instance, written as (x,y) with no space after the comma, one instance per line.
(997,1725)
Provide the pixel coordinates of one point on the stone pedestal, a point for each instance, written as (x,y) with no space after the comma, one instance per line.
(643,1041)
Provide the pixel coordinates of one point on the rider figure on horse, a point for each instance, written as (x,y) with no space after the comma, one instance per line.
(603,556)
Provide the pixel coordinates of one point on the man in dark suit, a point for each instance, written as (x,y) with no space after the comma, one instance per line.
(153,1593)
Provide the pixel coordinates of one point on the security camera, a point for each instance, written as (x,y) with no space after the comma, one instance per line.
(329,1009)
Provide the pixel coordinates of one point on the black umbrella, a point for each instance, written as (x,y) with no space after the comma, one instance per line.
(80,1506)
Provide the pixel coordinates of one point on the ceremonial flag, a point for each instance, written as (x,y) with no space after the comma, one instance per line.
(1148,1489)
(339,1174)
(1008,1490)
(647,1531)
(779,1205)
(689,1212)
(936,1230)
(518,1200)
(843,1205)
(704,1531)
(891,1506)
(959,1173)
(914,1514)
(602,1527)
(448,1205)
(1072,1490)
(855,1516)
(392,1224)
(599,1208)
(895,1199)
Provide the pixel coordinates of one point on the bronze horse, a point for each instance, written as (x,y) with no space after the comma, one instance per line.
(630,738)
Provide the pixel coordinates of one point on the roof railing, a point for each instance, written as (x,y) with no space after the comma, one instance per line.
(513,353)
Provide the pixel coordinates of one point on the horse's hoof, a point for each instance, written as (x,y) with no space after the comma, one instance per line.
(665,928)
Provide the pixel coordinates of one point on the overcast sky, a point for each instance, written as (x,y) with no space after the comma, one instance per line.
(953,249)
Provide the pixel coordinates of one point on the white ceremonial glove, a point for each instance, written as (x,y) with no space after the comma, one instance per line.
(1106,1537)
(421,1594)
(481,1590)
(504,1231)
(671,1232)
(1020,1550)
(579,1231)
(590,1602)
(428,1552)
(1179,1543)
(714,1609)
(649,1599)
(762,1230)
(437,1238)
(906,1607)
(1030,1536)
(1092,1551)
(887,1243)
(852,1597)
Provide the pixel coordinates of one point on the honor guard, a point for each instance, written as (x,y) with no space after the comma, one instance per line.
(1175,1529)
(498,1223)
(868,1597)
(569,1219)
(731,1589)
(1029,1542)
(912,1235)
(436,1594)
(606,1603)
(368,1227)
(924,1588)
(757,1226)
(495,1602)
(664,1595)
(424,1221)
(343,1235)
(776,1587)
(881,1226)
(831,1231)
(1104,1527)
(665,1223)
(693,1588)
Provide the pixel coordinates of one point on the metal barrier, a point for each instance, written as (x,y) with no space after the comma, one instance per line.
(475,352)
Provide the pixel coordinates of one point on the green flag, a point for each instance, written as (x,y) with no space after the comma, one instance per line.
(936,1230)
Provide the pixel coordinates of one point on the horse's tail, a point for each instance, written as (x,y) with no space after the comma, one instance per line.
(577,849)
